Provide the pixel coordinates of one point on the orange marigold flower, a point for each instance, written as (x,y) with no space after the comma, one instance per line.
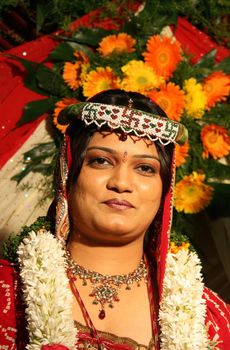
(191,194)
(119,43)
(171,99)
(73,73)
(59,106)
(163,54)
(83,59)
(215,140)
(99,80)
(175,248)
(216,87)
(81,56)
(181,153)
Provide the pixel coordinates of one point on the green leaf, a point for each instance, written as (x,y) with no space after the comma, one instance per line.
(40,15)
(69,113)
(11,245)
(91,36)
(224,65)
(208,60)
(39,159)
(42,150)
(220,205)
(215,169)
(28,65)
(42,168)
(30,80)
(19,176)
(42,79)
(66,52)
(51,81)
(63,52)
(35,109)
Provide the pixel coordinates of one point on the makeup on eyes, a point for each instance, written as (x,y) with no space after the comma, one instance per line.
(103,157)
(125,154)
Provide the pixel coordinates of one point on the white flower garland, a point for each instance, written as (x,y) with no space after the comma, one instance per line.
(45,287)
(182,309)
(49,300)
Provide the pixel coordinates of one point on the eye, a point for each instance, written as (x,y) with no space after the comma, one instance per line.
(146,169)
(99,162)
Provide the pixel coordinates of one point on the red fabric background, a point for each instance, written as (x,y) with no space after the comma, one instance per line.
(14,95)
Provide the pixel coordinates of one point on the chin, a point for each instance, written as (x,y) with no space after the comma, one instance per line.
(115,226)
(118,233)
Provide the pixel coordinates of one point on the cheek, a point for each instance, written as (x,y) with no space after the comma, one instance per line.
(91,182)
(151,192)
(77,197)
(151,202)
(86,190)
(151,199)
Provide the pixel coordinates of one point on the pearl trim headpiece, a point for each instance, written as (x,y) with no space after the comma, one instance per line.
(129,120)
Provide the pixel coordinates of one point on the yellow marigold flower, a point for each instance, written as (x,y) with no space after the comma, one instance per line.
(216,87)
(59,106)
(73,73)
(139,77)
(171,99)
(119,43)
(163,54)
(215,140)
(181,153)
(173,248)
(195,98)
(99,80)
(191,194)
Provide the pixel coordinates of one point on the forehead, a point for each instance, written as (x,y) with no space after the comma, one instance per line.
(132,145)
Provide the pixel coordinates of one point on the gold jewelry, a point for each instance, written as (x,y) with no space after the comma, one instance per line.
(106,287)
(130,103)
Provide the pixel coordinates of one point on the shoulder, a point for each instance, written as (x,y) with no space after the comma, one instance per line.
(11,308)
(7,302)
(8,286)
(7,270)
(217,319)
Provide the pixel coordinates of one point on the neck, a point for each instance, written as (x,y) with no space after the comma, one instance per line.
(107,260)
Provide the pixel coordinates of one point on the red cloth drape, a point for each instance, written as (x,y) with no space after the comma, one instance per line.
(197,42)
(14,95)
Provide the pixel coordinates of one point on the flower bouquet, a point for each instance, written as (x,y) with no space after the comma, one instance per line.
(148,59)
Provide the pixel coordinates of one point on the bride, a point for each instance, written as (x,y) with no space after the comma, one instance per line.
(111,278)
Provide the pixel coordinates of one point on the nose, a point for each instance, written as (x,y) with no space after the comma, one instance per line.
(120,180)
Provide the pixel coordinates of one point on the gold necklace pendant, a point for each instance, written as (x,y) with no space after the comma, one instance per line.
(105,288)
(104,294)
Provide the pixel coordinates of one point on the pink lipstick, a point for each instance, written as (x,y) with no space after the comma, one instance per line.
(119,204)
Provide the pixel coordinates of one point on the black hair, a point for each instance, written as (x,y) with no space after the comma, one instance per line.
(80,134)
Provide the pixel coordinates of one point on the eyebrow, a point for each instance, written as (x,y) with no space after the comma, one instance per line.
(112,151)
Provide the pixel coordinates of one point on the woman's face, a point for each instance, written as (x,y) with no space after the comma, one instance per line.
(118,191)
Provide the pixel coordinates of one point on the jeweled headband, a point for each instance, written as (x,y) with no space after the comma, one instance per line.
(128,120)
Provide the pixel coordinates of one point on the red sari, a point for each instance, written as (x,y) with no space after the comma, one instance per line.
(13,333)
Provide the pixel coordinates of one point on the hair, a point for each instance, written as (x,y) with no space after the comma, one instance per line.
(80,134)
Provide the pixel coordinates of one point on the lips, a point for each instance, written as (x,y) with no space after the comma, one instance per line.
(120,204)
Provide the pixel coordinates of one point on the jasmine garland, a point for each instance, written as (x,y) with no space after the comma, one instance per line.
(46,292)
(182,309)
(49,300)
